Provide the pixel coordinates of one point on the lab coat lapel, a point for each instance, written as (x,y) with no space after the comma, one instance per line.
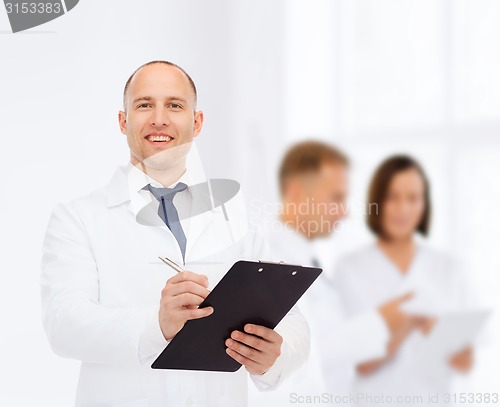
(117,192)
(198,220)
(198,224)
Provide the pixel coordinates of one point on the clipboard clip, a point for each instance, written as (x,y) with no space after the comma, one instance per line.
(280,262)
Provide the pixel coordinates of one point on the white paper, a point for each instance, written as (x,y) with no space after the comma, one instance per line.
(451,333)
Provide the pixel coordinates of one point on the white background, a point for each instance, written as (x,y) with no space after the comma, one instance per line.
(373,77)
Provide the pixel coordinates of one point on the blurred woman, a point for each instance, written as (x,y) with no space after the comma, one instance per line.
(400,266)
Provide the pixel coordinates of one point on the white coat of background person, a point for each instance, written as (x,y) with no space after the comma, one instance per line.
(313,184)
(399,202)
(108,301)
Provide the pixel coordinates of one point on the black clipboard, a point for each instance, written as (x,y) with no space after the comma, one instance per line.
(260,293)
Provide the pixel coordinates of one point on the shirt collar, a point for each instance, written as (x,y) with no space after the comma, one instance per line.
(138,179)
(128,181)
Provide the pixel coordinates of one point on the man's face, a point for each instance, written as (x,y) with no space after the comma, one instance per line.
(328,194)
(160,120)
(324,195)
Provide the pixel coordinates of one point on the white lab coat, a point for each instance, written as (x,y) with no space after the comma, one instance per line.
(101,284)
(329,367)
(368,278)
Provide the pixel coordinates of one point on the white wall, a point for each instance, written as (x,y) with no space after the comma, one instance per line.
(418,77)
(374,77)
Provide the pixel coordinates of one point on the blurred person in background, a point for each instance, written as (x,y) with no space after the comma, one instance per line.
(398,262)
(313,179)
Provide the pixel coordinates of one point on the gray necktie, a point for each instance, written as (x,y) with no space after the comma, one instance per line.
(168,213)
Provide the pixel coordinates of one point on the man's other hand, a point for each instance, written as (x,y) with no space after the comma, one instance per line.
(257,348)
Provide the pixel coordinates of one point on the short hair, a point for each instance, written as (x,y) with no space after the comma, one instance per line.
(379,186)
(190,80)
(308,157)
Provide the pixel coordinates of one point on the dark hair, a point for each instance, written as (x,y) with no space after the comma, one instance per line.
(190,80)
(306,157)
(379,186)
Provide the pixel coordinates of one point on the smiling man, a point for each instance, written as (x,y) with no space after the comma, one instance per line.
(110,303)
(159,103)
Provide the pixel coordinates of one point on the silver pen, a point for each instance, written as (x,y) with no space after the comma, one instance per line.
(171,264)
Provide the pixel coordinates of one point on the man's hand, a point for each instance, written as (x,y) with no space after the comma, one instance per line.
(257,348)
(425,324)
(179,301)
(462,361)
(395,319)
(400,326)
